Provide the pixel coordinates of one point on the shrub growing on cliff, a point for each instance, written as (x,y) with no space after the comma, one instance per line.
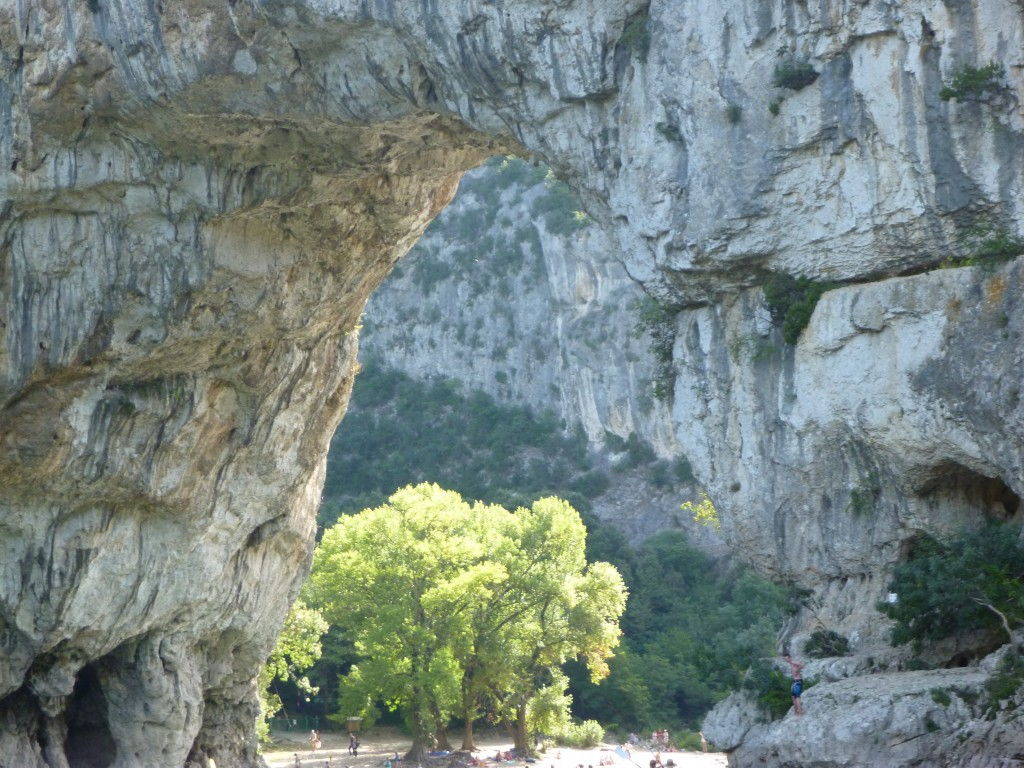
(986,243)
(973,581)
(771,688)
(658,321)
(824,643)
(791,301)
(793,74)
(971,83)
(1007,680)
(559,208)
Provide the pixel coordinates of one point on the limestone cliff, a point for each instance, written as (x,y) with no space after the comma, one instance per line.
(199,195)
(510,291)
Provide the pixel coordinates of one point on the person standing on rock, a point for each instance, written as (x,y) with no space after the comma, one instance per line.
(797,671)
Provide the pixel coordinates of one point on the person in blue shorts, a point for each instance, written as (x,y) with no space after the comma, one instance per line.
(796,669)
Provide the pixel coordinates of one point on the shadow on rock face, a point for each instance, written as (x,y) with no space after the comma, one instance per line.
(89,743)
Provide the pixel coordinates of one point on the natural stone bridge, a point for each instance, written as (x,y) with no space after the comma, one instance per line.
(199,196)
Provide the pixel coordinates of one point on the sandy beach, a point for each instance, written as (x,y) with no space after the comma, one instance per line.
(376,746)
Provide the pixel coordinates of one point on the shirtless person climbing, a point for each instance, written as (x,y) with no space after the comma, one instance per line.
(797,688)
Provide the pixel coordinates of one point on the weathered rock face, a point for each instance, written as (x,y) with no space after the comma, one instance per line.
(880,425)
(492,296)
(199,195)
(509,293)
(198,199)
(933,717)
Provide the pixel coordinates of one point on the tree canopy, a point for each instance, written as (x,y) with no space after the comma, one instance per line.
(298,647)
(460,609)
(973,581)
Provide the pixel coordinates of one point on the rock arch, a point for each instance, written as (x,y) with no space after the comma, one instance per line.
(198,196)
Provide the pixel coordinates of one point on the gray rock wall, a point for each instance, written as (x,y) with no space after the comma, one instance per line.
(197,197)
(840,450)
(540,315)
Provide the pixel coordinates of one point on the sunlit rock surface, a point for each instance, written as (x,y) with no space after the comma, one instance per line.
(924,718)
(508,292)
(197,197)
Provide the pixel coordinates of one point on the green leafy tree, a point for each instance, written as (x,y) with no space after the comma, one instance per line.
(973,581)
(453,607)
(400,579)
(298,647)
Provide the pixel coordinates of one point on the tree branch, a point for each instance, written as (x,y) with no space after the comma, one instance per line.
(997,612)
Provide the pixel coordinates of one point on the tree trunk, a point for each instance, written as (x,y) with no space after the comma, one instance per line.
(467,736)
(520,738)
(441,737)
(417,752)
(468,711)
(420,734)
(440,727)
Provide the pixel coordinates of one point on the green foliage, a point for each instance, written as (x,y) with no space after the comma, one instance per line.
(775,107)
(683,470)
(824,643)
(986,244)
(1007,681)
(636,36)
(864,498)
(703,512)
(638,453)
(692,628)
(548,710)
(658,321)
(941,697)
(793,74)
(687,740)
(591,484)
(734,113)
(447,602)
(968,583)
(791,301)
(971,83)
(558,207)
(771,688)
(297,648)
(427,273)
(585,735)
(400,431)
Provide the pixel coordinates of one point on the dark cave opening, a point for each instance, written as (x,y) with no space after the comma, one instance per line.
(989,496)
(89,743)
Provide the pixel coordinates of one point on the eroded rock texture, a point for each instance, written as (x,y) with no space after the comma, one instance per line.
(198,196)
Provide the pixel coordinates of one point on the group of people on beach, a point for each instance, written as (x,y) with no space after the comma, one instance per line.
(316,742)
(659,738)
